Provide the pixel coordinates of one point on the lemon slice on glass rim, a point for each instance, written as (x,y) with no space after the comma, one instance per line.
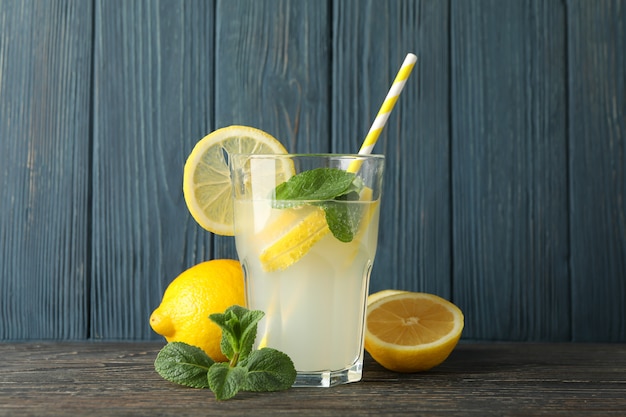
(206,177)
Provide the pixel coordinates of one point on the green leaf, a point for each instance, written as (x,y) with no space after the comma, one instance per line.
(315,184)
(183,364)
(338,219)
(353,191)
(248,335)
(325,185)
(238,330)
(269,370)
(343,219)
(226,381)
(229,324)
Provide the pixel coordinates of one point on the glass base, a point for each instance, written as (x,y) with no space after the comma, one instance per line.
(325,379)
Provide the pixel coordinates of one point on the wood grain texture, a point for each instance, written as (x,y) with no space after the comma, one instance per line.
(153,85)
(45,80)
(506,152)
(272,72)
(370,41)
(597,103)
(509,169)
(118,379)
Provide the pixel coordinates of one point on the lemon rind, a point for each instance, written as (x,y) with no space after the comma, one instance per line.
(454,333)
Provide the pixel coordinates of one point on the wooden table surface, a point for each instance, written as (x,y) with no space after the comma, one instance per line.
(118,378)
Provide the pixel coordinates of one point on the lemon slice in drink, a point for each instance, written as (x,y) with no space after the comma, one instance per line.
(292,236)
(206,177)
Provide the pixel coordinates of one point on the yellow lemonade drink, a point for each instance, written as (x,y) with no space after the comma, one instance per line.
(307,266)
(314,309)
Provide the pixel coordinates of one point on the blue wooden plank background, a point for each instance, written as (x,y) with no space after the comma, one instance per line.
(505,183)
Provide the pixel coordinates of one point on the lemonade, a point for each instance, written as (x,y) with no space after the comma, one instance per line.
(308,274)
(314,309)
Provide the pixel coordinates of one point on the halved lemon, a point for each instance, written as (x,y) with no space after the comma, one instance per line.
(206,178)
(412,331)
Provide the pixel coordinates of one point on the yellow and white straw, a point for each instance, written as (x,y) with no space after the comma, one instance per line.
(385,110)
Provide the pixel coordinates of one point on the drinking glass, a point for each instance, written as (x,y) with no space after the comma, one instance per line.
(307,262)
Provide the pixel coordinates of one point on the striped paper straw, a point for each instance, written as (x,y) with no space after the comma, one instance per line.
(383,114)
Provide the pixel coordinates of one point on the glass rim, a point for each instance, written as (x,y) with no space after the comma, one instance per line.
(310,155)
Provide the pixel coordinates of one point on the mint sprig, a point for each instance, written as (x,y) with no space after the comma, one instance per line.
(238,331)
(184,364)
(331,185)
(246,369)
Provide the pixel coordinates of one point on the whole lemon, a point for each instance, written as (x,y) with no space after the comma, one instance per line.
(207,288)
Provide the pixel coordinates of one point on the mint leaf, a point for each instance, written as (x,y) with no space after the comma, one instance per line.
(226,381)
(261,370)
(269,370)
(183,364)
(249,323)
(343,219)
(353,191)
(315,184)
(229,323)
(238,331)
(328,185)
